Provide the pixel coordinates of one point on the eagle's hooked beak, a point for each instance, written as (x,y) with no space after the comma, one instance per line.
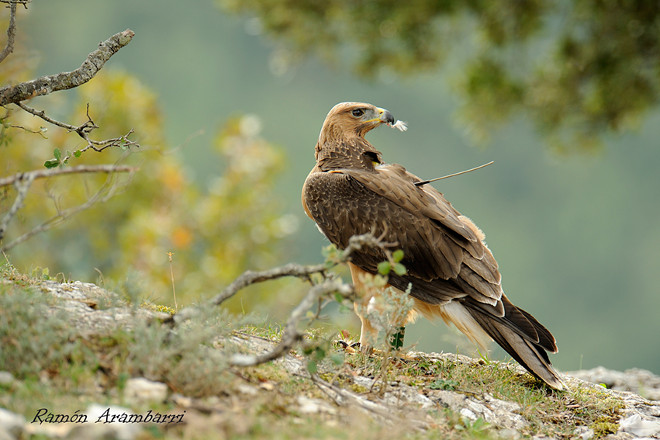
(385,116)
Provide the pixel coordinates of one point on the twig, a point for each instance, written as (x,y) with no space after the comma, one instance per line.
(46,118)
(424,182)
(63,215)
(22,187)
(81,169)
(11,29)
(249,277)
(29,130)
(291,334)
(356,242)
(67,80)
(83,131)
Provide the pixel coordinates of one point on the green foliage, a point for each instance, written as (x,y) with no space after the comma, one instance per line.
(578,68)
(29,342)
(37,339)
(55,162)
(384,267)
(442,384)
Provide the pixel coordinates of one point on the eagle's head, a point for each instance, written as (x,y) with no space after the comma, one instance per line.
(355,119)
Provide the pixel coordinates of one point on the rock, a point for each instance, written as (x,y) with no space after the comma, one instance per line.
(140,390)
(102,430)
(505,415)
(311,406)
(11,425)
(93,309)
(642,427)
(249,390)
(639,381)
(6,378)
(583,432)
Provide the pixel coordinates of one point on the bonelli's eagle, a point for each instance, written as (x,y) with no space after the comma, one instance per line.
(451,273)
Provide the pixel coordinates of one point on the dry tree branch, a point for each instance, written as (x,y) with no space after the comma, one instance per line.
(22,181)
(355,243)
(249,277)
(42,114)
(61,216)
(22,184)
(291,334)
(81,169)
(14,94)
(67,80)
(83,131)
(11,29)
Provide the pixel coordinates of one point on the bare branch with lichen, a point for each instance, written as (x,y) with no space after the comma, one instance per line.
(105,192)
(67,80)
(11,29)
(249,277)
(22,186)
(291,335)
(14,94)
(81,169)
(328,285)
(83,130)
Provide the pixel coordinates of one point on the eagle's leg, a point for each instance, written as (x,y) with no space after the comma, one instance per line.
(368,331)
(364,293)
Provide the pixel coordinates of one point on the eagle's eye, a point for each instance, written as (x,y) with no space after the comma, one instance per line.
(357,112)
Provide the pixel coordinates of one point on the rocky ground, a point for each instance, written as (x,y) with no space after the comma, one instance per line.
(399,402)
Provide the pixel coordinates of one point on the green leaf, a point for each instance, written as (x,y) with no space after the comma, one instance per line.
(57,153)
(312,367)
(77,153)
(441,384)
(384,267)
(51,163)
(397,255)
(399,269)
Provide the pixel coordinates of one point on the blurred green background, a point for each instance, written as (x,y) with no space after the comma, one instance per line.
(576,233)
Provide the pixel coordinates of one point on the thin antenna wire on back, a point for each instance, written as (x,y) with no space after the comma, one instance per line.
(424,182)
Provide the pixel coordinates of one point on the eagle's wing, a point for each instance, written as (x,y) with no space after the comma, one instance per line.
(443,252)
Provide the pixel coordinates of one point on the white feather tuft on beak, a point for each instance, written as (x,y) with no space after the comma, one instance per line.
(400,125)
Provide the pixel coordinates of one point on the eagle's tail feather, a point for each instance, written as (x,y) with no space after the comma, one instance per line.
(529,353)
